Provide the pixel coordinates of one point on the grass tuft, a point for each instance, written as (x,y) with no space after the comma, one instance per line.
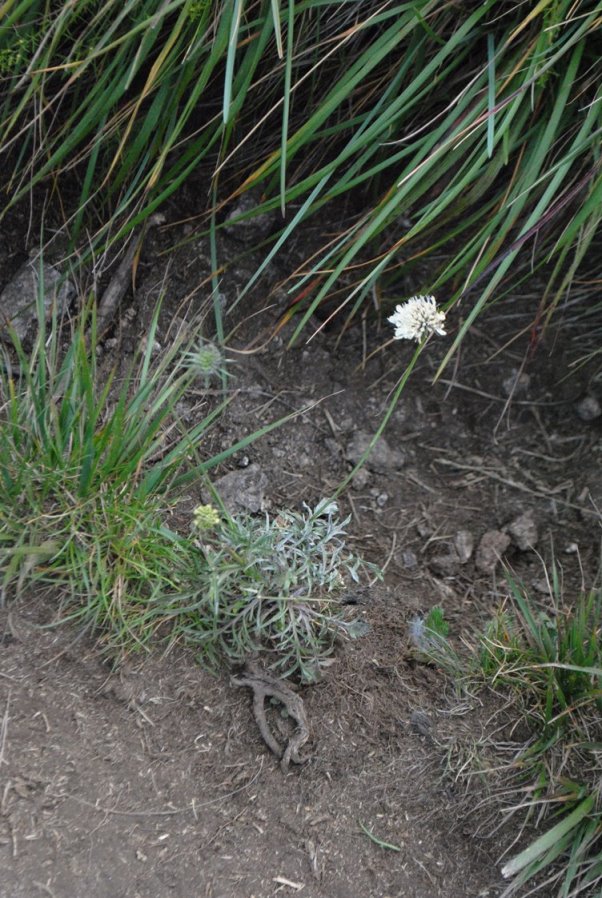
(89,469)
(92,474)
(548,667)
(464,138)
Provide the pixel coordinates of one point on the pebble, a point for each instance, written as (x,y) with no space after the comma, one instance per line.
(360,479)
(492,546)
(409,559)
(242,490)
(464,545)
(381,459)
(445,565)
(523,531)
(516,383)
(18,298)
(588,408)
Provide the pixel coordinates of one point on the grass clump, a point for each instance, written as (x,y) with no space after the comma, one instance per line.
(91,473)
(274,585)
(548,667)
(465,136)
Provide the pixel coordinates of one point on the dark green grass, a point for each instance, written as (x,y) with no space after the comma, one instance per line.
(467,135)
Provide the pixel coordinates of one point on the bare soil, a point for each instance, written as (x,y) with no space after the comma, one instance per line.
(147,777)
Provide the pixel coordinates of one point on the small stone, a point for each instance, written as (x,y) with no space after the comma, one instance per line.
(542,586)
(18,300)
(381,458)
(333,446)
(408,559)
(516,383)
(464,545)
(382,499)
(424,528)
(255,227)
(445,565)
(523,531)
(491,548)
(155,349)
(420,723)
(572,549)
(242,490)
(360,479)
(588,408)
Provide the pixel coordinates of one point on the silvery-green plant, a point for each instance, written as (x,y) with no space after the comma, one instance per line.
(274,585)
(206,360)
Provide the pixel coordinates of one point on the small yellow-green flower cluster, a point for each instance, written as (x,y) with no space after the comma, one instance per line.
(197,9)
(205,517)
(13,59)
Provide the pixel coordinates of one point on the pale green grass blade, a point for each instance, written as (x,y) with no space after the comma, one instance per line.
(590,832)
(287,93)
(278,23)
(545,843)
(490,94)
(231,57)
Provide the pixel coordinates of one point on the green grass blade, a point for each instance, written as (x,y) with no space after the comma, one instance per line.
(278,24)
(287,96)
(231,57)
(545,843)
(490,94)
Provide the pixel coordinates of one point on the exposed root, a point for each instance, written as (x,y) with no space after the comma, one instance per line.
(266,686)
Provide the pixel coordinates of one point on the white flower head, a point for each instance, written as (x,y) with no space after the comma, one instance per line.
(418,318)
